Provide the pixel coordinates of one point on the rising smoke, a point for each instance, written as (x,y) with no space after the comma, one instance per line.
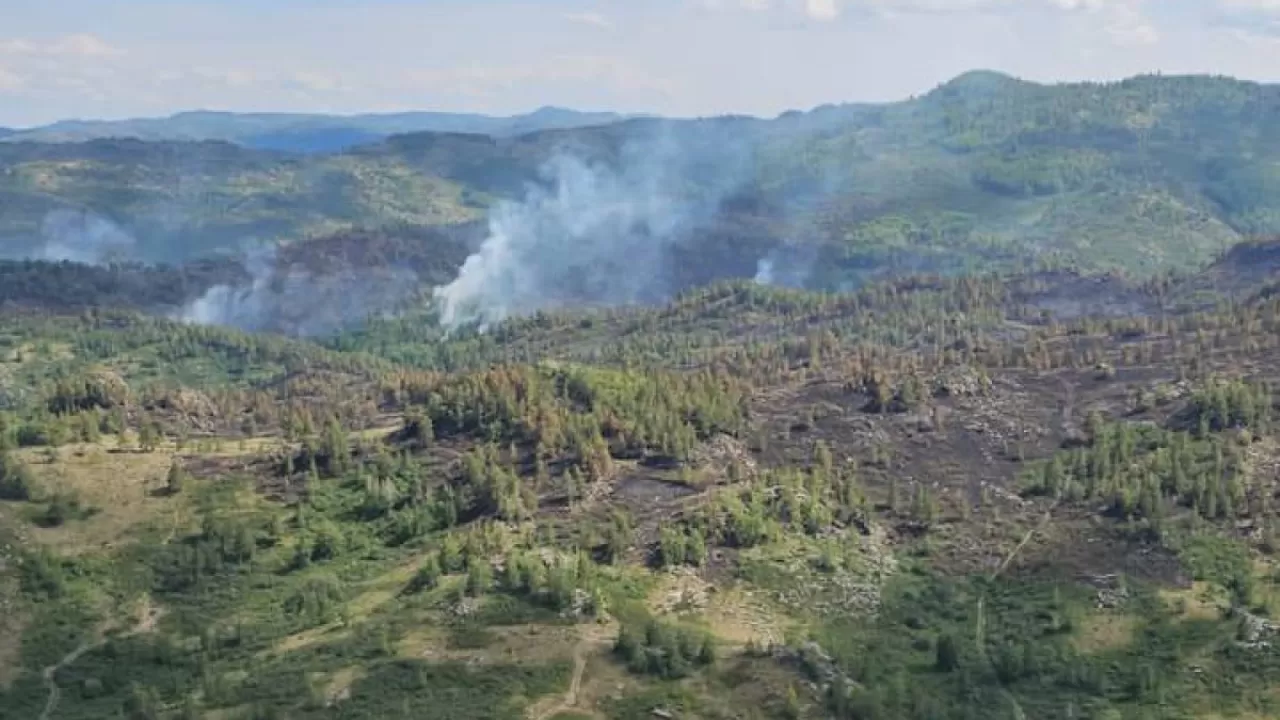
(626,218)
(765,270)
(83,236)
(788,265)
(296,301)
(597,231)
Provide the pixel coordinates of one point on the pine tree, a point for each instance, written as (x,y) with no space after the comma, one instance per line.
(479,578)
(793,710)
(16,479)
(946,655)
(573,487)
(427,575)
(89,426)
(176,479)
(672,547)
(696,548)
(148,437)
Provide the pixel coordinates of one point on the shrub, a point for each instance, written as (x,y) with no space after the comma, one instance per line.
(16,480)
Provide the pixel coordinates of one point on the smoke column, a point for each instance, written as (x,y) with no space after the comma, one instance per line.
(788,265)
(84,237)
(595,232)
(297,302)
(764,271)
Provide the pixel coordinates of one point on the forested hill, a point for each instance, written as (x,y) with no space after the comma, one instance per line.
(1145,174)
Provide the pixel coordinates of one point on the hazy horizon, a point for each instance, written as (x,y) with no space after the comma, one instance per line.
(115,59)
(625,112)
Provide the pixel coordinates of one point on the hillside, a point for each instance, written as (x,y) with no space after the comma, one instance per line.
(161,202)
(1048,495)
(1146,175)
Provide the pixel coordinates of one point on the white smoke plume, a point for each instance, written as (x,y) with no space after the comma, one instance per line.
(293,301)
(242,306)
(764,271)
(83,236)
(597,232)
(788,265)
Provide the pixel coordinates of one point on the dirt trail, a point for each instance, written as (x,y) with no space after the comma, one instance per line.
(147,623)
(980,630)
(593,638)
(173,531)
(1044,520)
(149,616)
(48,675)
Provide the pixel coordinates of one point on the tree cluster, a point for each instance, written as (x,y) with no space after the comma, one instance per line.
(664,650)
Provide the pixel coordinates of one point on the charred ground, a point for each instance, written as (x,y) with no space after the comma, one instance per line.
(1049,495)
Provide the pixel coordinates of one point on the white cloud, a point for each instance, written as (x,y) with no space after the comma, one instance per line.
(492,80)
(84,45)
(1137,34)
(594,19)
(822,9)
(830,9)
(1254,17)
(933,6)
(753,5)
(80,45)
(1257,5)
(1122,21)
(1079,4)
(1128,26)
(317,82)
(507,56)
(10,81)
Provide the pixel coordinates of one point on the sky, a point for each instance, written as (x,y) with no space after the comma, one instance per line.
(86,59)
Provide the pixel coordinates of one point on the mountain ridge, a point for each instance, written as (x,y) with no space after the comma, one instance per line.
(1147,174)
(304,132)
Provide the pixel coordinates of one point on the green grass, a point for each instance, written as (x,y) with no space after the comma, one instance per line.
(1020,652)
(251,627)
(423,690)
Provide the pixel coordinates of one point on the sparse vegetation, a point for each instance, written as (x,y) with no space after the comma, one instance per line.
(479,499)
(947,496)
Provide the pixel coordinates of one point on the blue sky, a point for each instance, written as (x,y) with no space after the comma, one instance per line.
(118,58)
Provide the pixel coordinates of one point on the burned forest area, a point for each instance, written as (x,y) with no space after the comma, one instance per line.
(985,427)
(932,497)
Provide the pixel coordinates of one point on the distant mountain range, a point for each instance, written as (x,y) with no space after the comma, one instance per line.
(305,133)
